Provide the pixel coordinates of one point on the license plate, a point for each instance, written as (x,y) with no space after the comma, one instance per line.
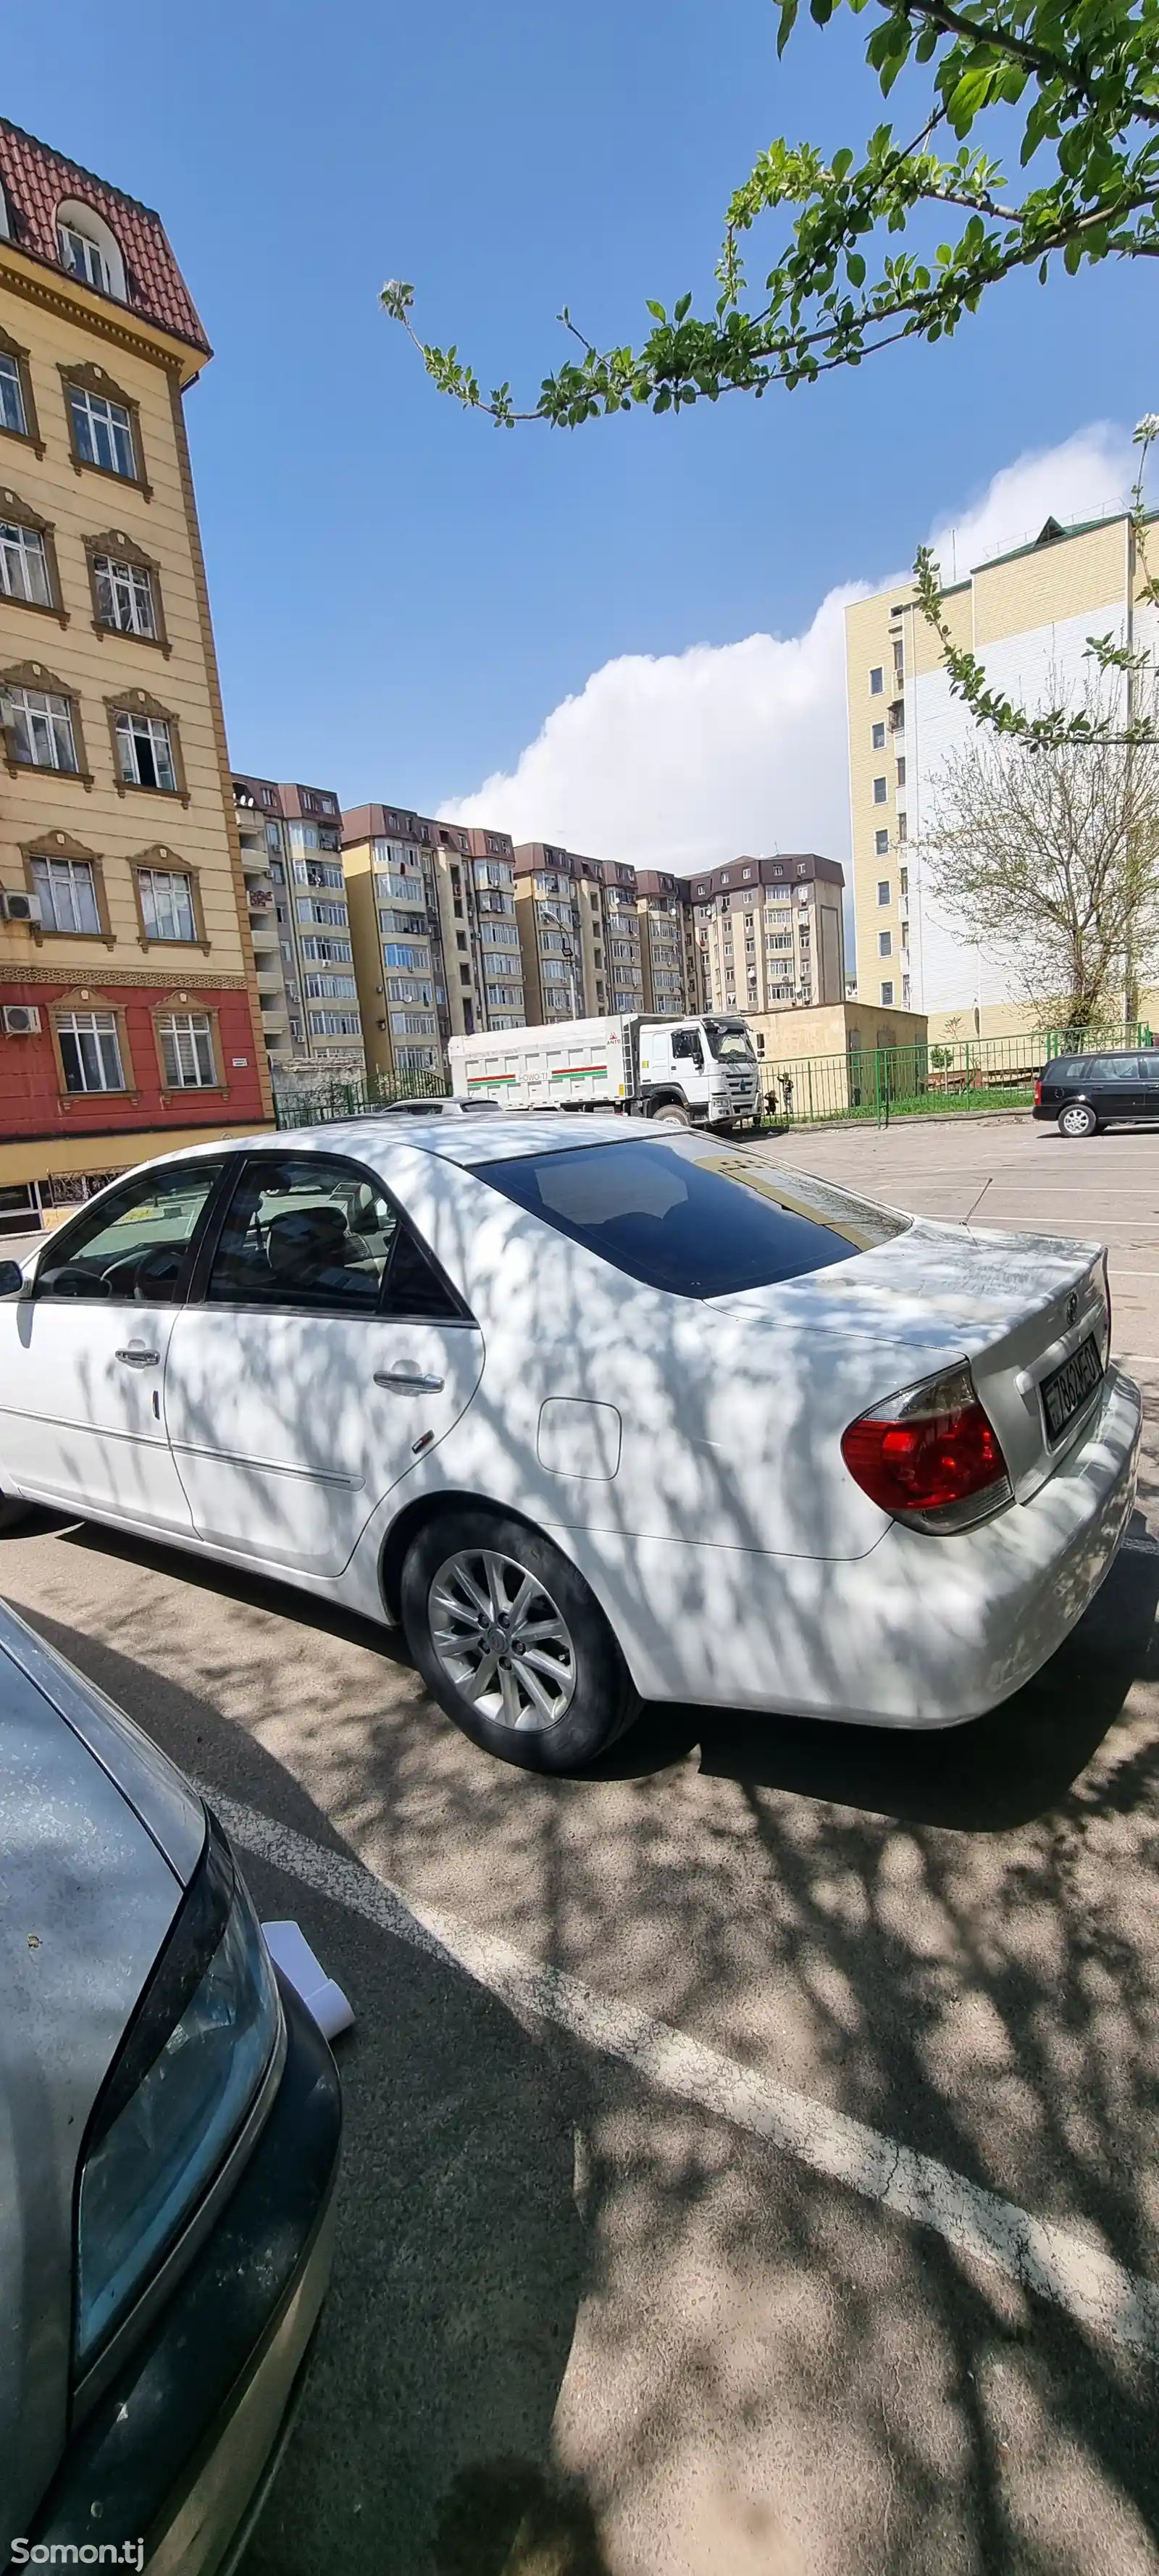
(1066,1390)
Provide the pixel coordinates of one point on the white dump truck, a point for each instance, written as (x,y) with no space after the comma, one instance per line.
(694,1073)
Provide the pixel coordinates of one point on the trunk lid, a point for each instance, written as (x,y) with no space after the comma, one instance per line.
(1017,1306)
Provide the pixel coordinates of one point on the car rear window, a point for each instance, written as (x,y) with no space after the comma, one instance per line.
(1068,1068)
(689,1218)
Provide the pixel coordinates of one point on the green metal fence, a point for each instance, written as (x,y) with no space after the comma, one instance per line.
(931,1080)
(871,1083)
(315,1107)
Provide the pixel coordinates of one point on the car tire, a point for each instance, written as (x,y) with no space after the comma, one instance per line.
(671,1114)
(479,1555)
(12,1512)
(1077,1119)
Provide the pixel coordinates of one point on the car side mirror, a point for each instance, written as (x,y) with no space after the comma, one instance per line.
(12,1279)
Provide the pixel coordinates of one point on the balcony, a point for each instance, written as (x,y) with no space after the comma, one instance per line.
(264,939)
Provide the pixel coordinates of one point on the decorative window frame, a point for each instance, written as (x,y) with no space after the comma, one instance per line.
(21,514)
(81,998)
(122,548)
(61,845)
(188,1090)
(161,856)
(91,379)
(137,702)
(34,675)
(29,436)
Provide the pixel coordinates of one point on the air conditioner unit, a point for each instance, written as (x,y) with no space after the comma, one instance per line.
(20,907)
(21,1020)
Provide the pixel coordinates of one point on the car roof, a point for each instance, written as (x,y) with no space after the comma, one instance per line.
(478,1139)
(375,1140)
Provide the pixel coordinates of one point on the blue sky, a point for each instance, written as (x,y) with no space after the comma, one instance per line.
(402,595)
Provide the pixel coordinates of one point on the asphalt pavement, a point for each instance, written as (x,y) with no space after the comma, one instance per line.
(750,2144)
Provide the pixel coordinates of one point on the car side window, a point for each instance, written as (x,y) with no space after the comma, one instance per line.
(135,1246)
(308,1235)
(1149,1068)
(1112,1072)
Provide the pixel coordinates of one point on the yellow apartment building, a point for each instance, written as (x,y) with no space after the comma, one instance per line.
(1027,614)
(129,1021)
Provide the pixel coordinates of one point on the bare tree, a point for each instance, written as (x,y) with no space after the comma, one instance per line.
(1048,854)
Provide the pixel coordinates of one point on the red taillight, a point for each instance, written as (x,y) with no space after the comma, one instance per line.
(930,1455)
(1038,1091)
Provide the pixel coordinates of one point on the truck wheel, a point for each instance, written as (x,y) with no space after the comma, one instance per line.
(511,1643)
(671,1114)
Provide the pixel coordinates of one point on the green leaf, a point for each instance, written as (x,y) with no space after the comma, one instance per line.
(681,308)
(855,267)
(656,310)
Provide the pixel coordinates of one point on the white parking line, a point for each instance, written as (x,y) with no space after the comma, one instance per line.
(1045,2259)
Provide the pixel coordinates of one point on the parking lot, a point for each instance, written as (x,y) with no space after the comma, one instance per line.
(750,2152)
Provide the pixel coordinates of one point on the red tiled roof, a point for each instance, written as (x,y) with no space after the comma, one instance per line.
(35,179)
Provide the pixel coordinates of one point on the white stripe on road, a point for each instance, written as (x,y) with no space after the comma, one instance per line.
(1043,2258)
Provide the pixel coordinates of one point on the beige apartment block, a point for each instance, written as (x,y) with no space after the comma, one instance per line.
(1027,614)
(291,855)
(129,1016)
(666,949)
(434,932)
(770,933)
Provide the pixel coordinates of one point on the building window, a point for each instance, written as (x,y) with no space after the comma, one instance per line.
(24,565)
(902,828)
(12,412)
(331,988)
(876,682)
(103,433)
(68,895)
(881,844)
(879,791)
(187,1051)
(40,728)
(90,1051)
(145,752)
(901,773)
(879,737)
(89,248)
(883,889)
(84,258)
(335,1024)
(125,599)
(167,907)
(887,994)
(885,943)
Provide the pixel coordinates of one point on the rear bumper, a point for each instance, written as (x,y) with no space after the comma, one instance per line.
(179,2450)
(922,1632)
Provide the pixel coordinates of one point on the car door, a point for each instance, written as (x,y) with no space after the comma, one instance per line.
(1149,1083)
(1117,1087)
(320,1353)
(82,1358)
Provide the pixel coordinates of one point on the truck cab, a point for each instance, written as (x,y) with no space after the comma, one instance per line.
(701,1071)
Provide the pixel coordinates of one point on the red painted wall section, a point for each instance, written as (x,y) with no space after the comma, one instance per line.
(31,1102)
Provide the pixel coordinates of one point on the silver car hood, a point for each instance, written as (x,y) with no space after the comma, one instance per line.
(92,1871)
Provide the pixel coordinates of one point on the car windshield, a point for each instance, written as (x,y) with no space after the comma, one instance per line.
(729,1039)
(689,1218)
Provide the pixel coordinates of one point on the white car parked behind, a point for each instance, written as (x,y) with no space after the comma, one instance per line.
(599,1413)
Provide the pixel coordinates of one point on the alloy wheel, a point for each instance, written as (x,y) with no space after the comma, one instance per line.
(501,1640)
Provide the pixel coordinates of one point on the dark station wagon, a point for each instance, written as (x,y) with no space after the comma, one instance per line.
(1085,1092)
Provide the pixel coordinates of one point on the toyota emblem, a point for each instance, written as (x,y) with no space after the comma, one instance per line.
(1072,1305)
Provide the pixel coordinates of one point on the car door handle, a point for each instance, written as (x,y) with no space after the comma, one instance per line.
(404,1381)
(135,1355)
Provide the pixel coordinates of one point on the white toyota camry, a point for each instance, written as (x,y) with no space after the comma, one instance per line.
(598,1413)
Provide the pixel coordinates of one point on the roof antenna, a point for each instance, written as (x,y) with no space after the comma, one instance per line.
(979,1199)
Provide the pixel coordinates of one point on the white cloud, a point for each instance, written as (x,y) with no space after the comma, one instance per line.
(680,760)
